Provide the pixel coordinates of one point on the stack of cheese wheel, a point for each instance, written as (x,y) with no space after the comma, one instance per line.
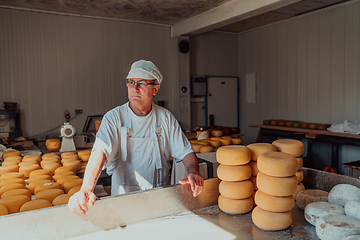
(212,144)
(29,163)
(296,149)
(256,150)
(71,159)
(50,161)
(235,189)
(277,183)
(11,160)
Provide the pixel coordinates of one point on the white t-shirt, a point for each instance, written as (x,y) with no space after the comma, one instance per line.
(173,141)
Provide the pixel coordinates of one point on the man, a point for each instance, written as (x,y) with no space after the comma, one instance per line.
(135,142)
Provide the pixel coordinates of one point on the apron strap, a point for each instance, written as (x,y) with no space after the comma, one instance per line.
(157,135)
(123,137)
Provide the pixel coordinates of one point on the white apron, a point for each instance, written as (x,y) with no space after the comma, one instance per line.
(141,165)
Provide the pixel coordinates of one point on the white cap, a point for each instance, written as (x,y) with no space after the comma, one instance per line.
(145,70)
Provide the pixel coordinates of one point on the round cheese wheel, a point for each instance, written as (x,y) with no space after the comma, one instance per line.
(300,162)
(236,141)
(8,169)
(61,200)
(194,141)
(307,196)
(352,209)
(85,157)
(9,153)
(49,160)
(234,172)
(45,186)
(342,193)
(62,174)
(215,138)
(253,180)
(76,160)
(254,168)
(235,206)
(336,227)
(86,152)
(13,158)
(259,148)
(38,177)
(64,179)
(277,164)
(3,210)
(49,194)
(299,188)
(215,143)
(53,145)
(226,137)
(273,203)
(35,183)
(77,165)
(277,186)
(316,210)
(51,166)
(40,172)
(271,221)
(300,175)
(32,157)
(13,203)
(35,204)
(196,147)
(27,169)
(71,183)
(204,143)
(233,155)
(74,190)
(64,169)
(20,191)
(50,156)
(27,163)
(10,162)
(11,187)
(290,146)
(12,180)
(71,153)
(206,149)
(236,190)
(225,142)
(216,133)
(11,175)
(72,157)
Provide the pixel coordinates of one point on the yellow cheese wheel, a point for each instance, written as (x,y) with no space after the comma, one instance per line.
(226,137)
(271,221)
(64,169)
(77,165)
(80,153)
(49,160)
(49,156)
(216,133)
(85,157)
(3,210)
(71,157)
(27,169)
(194,141)
(51,140)
(51,166)
(215,143)
(215,138)
(53,145)
(225,142)
(204,143)
(45,186)
(196,147)
(206,149)
(10,162)
(274,203)
(64,179)
(233,155)
(62,174)
(290,146)
(300,175)
(12,180)
(38,177)
(20,191)
(74,190)
(35,204)
(235,206)
(12,175)
(236,141)
(300,162)
(253,180)
(11,187)
(32,157)
(9,153)
(234,172)
(277,164)
(14,203)
(276,186)
(12,158)
(259,148)
(300,187)
(35,183)
(40,172)
(254,168)
(27,163)
(71,183)
(71,153)
(236,190)
(9,169)
(61,200)
(49,194)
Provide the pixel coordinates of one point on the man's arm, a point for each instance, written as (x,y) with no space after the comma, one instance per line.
(193,177)
(78,202)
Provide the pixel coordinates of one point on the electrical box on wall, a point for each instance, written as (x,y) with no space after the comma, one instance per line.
(198,86)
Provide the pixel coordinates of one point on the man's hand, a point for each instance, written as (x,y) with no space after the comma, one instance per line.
(196,183)
(78,202)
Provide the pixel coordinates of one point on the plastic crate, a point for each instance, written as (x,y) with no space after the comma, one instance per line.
(352,169)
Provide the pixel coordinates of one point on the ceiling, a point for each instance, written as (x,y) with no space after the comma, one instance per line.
(186,17)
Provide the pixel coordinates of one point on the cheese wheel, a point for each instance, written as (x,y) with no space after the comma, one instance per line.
(38,177)
(336,226)
(3,210)
(316,210)
(204,143)
(254,168)
(35,183)
(352,209)
(342,193)
(83,152)
(72,157)
(64,169)
(233,155)
(13,203)
(53,145)
(290,146)
(40,172)
(10,162)
(32,160)
(20,191)
(196,147)
(277,164)
(215,143)
(12,158)
(236,190)
(271,221)
(235,206)
(206,149)
(85,157)
(62,174)
(50,156)
(236,141)
(300,162)
(49,160)
(225,142)
(300,187)
(35,204)
(9,169)
(12,175)
(49,194)
(215,138)
(307,196)
(51,166)
(27,169)
(226,137)
(11,187)
(12,180)
(71,153)
(77,165)
(71,183)
(277,186)
(64,179)
(216,133)
(234,172)
(32,156)
(27,163)
(61,199)
(72,160)
(45,186)
(9,153)
(273,203)
(51,140)
(300,175)
(74,190)
(259,148)
(253,180)
(253,196)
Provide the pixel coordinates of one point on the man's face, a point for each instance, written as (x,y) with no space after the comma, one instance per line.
(142,95)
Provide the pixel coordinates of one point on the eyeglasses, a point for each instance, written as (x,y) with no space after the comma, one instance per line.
(141,84)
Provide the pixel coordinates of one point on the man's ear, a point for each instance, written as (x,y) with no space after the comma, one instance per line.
(156,89)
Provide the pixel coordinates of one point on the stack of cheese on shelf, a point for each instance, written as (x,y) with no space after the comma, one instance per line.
(235,189)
